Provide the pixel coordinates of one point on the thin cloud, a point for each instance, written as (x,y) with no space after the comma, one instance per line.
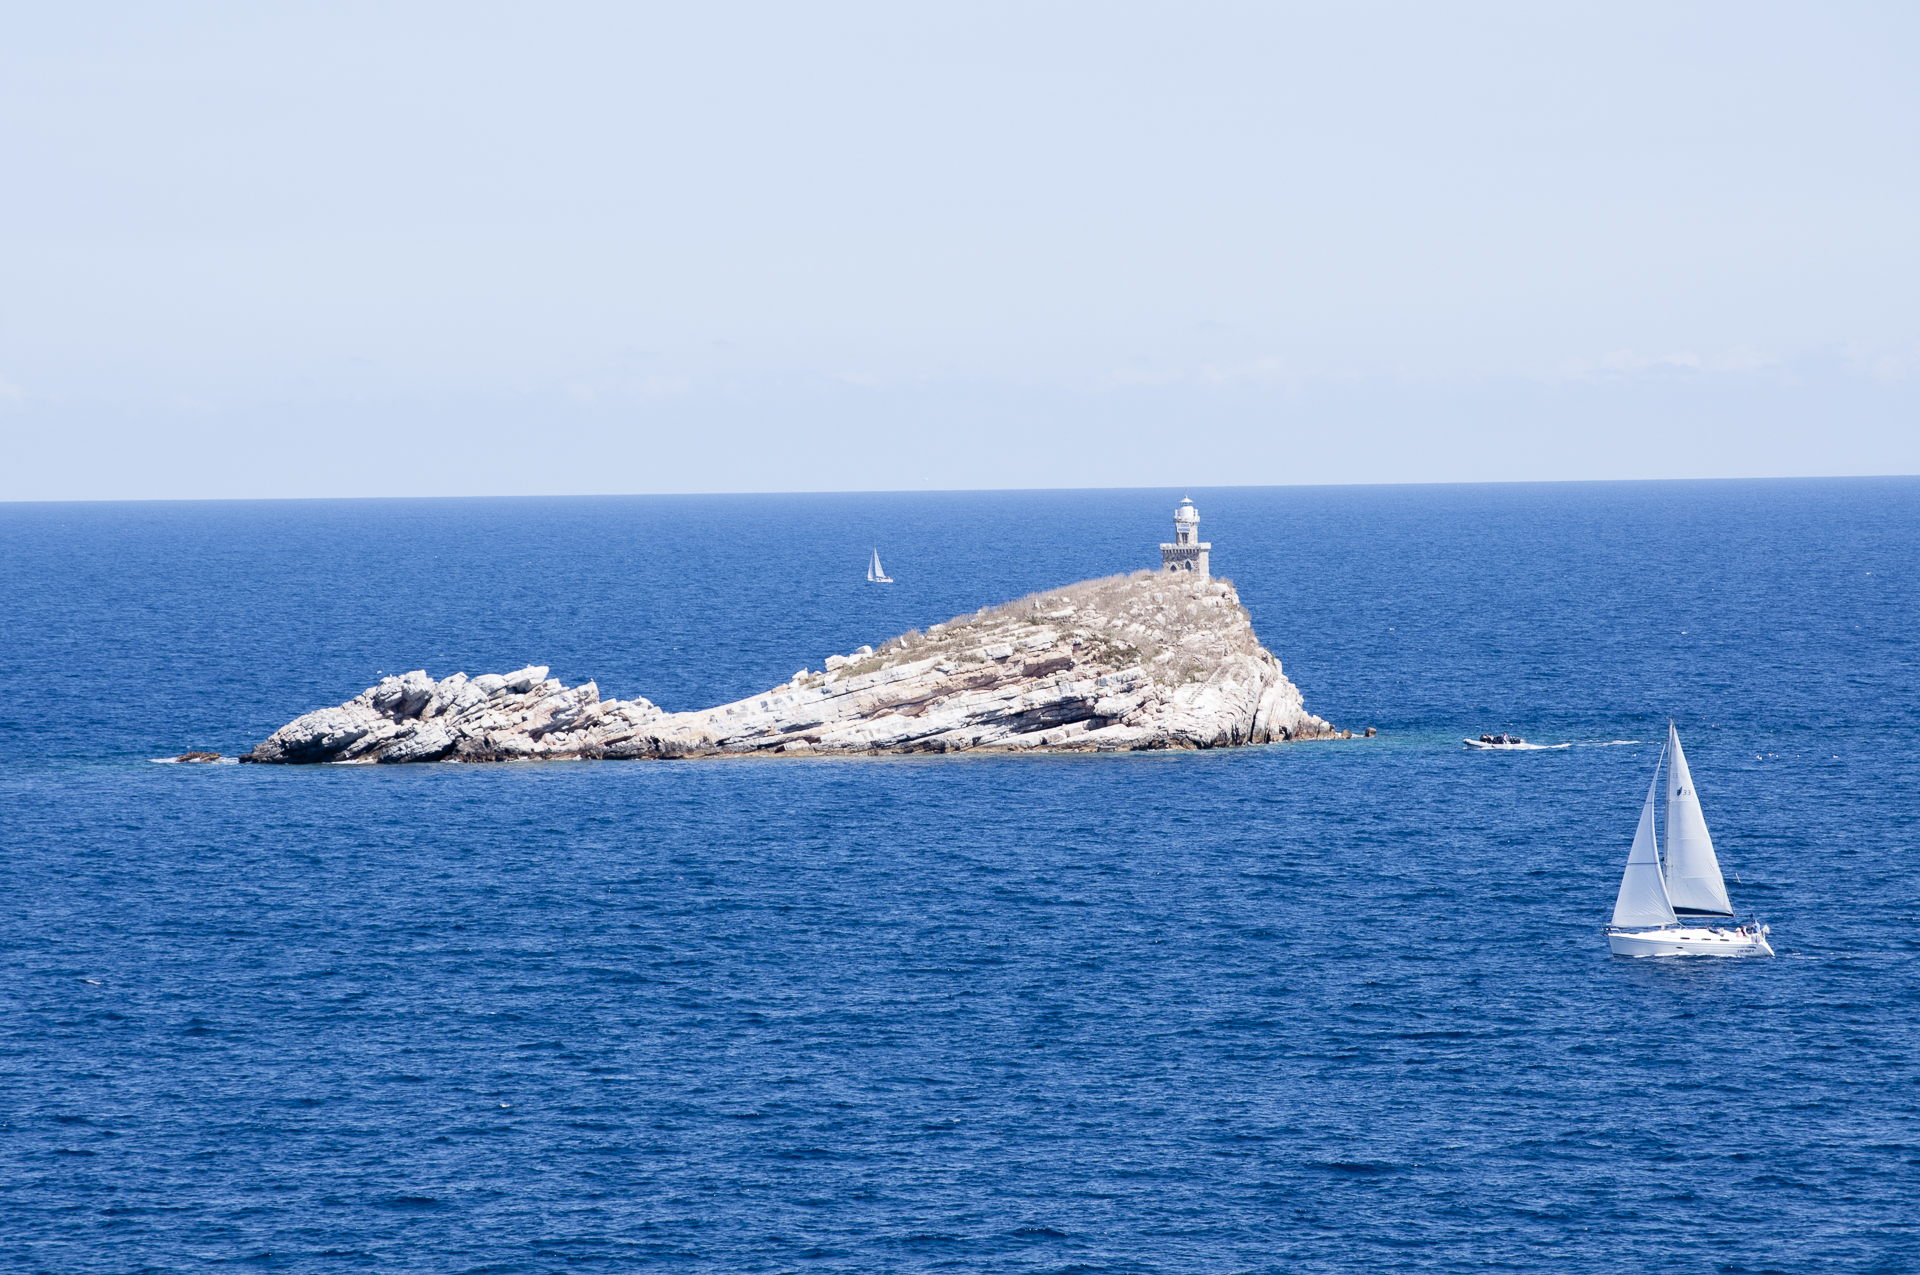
(1617,364)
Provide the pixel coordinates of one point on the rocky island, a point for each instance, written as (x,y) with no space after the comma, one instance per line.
(1163,659)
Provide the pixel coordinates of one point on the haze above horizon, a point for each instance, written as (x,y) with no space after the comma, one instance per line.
(440,250)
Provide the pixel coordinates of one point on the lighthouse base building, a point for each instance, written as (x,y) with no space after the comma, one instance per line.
(1187,552)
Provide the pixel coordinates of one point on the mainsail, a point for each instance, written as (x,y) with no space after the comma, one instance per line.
(1643,895)
(1694,883)
(874,573)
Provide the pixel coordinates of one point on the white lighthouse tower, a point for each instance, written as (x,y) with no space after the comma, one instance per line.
(1187,552)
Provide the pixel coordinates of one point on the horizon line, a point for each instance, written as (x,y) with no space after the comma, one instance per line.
(958,491)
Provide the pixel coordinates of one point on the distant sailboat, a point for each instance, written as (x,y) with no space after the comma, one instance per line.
(1654,896)
(874,573)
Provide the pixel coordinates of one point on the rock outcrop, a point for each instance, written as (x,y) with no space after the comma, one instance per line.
(1129,662)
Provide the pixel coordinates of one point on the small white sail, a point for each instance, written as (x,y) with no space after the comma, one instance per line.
(1694,883)
(876,574)
(1642,900)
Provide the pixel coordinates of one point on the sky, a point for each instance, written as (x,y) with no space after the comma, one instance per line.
(284,250)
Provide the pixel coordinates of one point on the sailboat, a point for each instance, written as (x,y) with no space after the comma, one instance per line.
(875,575)
(1654,895)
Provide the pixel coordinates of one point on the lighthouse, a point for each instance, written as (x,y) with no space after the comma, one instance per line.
(1187,552)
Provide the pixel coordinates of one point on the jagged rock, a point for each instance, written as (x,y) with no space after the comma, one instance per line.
(198,756)
(1152,660)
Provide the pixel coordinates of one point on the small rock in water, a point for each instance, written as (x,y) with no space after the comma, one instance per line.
(198,757)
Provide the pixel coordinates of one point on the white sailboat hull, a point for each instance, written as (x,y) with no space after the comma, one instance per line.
(1689,940)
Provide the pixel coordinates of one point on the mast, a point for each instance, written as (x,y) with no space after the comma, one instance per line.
(1693,875)
(1642,900)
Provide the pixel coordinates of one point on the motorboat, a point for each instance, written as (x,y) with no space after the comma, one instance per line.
(1511,743)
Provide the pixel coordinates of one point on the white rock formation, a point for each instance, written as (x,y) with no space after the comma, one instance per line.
(1150,660)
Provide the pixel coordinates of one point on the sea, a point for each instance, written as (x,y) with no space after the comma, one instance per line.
(1330,1006)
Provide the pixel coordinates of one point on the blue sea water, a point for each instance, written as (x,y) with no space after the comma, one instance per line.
(1315,1007)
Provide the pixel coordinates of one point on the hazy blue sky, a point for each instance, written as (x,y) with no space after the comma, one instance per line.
(266,249)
